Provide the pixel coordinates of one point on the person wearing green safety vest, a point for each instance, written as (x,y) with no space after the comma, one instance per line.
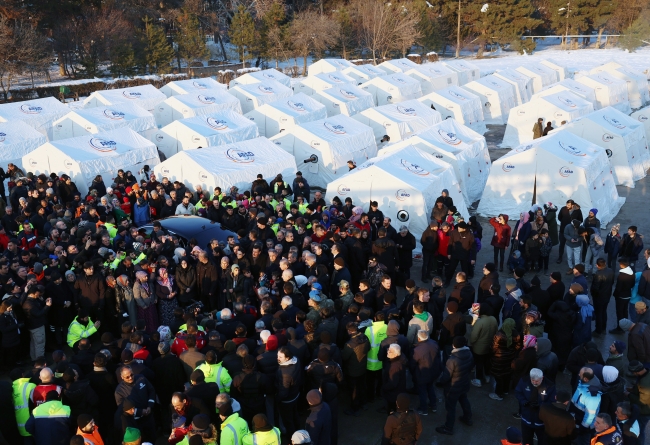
(22,395)
(49,423)
(233,427)
(375,333)
(264,434)
(81,327)
(215,372)
(201,427)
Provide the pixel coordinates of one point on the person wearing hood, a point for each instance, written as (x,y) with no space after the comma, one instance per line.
(532,392)
(582,326)
(511,306)
(532,322)
(439,211)
(455,379)
(586,403)
(421,321)
(613,391)
(594,246)
(521,232)
(319,422)
(288,380)
(505,348)
(402,427)
(546,359)
(638,347)
(625,282)
(446,199)
(263,433)
(631,246)
(540,297)
(573,244)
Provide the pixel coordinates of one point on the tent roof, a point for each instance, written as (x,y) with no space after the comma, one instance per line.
(366,69)
(37,111)
(400,80)
(461,65)
(612,119)
(203,98)
(102,145)
(299,106)
(574,86)
(270,74)
(334,78)
(456,94)
(17,132)
(402,65)
(513,74)
(566,101)
(432,70)
(265,88)
(408,110)
(336,128)
(453,137)
(219,122)
(204,83)
(149,95)
(114,116)
(494,83)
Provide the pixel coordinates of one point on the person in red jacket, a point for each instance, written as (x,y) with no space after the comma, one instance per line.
(501,238)
(443,243)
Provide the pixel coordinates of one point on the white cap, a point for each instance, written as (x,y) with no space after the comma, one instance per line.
(109,189)
(264,335)
(300,437)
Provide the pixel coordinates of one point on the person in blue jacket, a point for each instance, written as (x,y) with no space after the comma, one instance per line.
(532,392)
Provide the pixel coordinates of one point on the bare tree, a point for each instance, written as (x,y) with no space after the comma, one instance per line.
(312,32)
(20,48)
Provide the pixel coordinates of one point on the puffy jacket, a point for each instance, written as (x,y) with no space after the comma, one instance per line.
(546,360)
(462,245)
(529,402)
(92,291)
(206,278)
(502,233)
(639,343)
(35,312)
(425,363)
(586,398)
(482,336)
(631,247)
(625,282)
(288,379)
(141,214)
(502,354)
(457,372)
(319,424)
(429,240)
(596,244)
(355,355)
(49,424)
(443,242)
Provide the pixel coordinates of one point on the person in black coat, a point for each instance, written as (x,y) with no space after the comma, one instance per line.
(405,243)
(393,337)
(567,214)
(540,297)
(319,422)
(103,383)
(169,373)
(578,358)
(489,278)
(10,336)
(557,289)
(601,292)
(559,424)
(559,326)
(8,426)
(625,281)
(456,377)
(463,293)
(206,392)
(425,367)
(393,380)
(453,326)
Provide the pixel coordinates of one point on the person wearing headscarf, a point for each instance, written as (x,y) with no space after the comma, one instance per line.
(505,348)
(325,219)
(526,361)
(166,294)
(146,301)
(125,299)
(521,232)
(582,326)
(533,325)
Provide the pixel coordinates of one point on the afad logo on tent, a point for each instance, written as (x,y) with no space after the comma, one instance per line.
(456,95)
(165,171)
(240,156)
(217,124)
(33,162)
(435,70)
(113,115)
(398,79)
(3,136)
(565,171)
(334,128)
(567,101)
(524,148)
(402,195)
(199,85)
(614,122)
(335,79)
(642,118)
(269,76)
(407,110)
(449,137)
(206,99)
(414,168)
(605,79)
(571,149)
(348,94)
(31,109)
(265,89)
(507,167)
(203,176)
(132,94)
(343,189)
(298,106)
(103,145)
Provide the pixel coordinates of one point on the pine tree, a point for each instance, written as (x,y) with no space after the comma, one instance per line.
(638,33)
(191,44)
(242,33)
(156,53)
(429,27)
(123,60)
(272,30)
(347,36)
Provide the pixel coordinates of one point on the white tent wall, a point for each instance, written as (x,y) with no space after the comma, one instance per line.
(556,108)
(610,91)
(398,121)
(463,148)
(467,71)
(183,106)
(621,137)
(191,86)
(334,141)
(328,66)
(363,73)
(86,121)
(261,76)
(541,75)
(85,157)
(220,128)
(460,104)
(236,164)
(433,77)
(523,84)
(397,66)
(39,114)
(145,96)
(284,114)
(18,139)
(497,98)
(577,88)
(318,82)
(254,95)
(393,88)
(636,82)
(560,71)
(348,101)
(643,116)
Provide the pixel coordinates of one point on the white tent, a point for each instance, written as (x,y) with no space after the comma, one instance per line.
(393,88)
(397,66)
(261,76)
(460,104)
(327,66)
(433,76)
(85,157)
(18,139)
(145,96)
(191,86)
(577,88)
(363,73)
(560,71)
(405,183)
(622,138)
(183,106)
(497,98)
(398,121)
(254,95)
(556,108)
(637,83)
(610,91)
(463,148)
(554,168)
(643,116)
(85,121)
(348,100)
(322,148)
(318,82)
(284,114)
(542,76)
(235,164)
(39,114)
(219,128)
(522,83)
(467,71)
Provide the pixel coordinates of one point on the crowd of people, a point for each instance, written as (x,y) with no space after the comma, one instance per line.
(306,312)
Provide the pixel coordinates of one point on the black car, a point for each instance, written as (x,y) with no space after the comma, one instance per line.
(188,227)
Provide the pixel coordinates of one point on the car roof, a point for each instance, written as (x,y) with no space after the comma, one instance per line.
(195,227)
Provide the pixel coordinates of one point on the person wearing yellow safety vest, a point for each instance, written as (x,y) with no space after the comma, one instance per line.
(278,184)
(264,434)
(81,327)
(215,372)
(375,333)
(233,427)
(50,422)
(22,391)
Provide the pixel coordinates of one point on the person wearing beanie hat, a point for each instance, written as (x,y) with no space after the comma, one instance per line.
(511,307)
(262,432)
(319,421)
(404,425)
(490,277)
(233,427)
(132,436)
(592,222)
(513,436)
(300,437)
(87,429)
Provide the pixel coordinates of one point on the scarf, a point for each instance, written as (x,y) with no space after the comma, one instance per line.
(507,327)
(356,214)
(530,341)
(586,310)
(424,316)
(145,284)
(523,219)
(165,282)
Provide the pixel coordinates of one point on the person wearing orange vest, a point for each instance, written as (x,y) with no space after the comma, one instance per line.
(88,430)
